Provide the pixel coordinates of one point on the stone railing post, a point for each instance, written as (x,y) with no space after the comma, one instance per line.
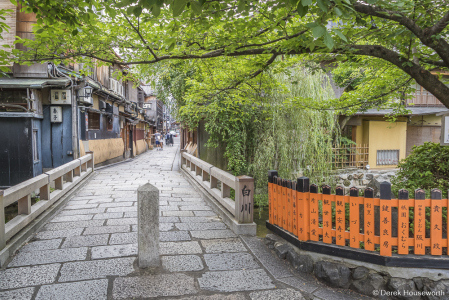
(148,226)
(244,199)
(182,158)
(2,222)
(91,163)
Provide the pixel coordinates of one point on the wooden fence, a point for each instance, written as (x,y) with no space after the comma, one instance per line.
(385,225)
(350,156)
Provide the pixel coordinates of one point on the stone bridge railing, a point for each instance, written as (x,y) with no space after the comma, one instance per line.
(208,176)
(64,177)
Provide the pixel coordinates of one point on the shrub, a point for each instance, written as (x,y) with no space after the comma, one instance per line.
(427,167)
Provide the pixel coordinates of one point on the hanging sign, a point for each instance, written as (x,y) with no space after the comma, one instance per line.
(55,114)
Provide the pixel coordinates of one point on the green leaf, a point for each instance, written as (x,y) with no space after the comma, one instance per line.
(328,41)
(341,35)
(318,31)
(371,1)
(156,10)
(196,7)
(130,10)
(178,7)
(40,31)
(337,11)
(124,3)
(137,11)
(148,3)
(306,2)
(74,32)
(311,25)
(302,10)
(242,5)
(322,5)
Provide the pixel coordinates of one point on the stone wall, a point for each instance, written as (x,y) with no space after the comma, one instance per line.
(363,178)
(379,284)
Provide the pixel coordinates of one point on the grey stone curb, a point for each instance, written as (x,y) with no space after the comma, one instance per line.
(114,164)
(226,216)
(26,233)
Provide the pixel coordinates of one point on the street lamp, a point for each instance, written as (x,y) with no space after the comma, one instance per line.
(87,92)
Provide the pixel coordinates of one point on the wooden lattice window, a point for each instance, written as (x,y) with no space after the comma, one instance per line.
(94,121)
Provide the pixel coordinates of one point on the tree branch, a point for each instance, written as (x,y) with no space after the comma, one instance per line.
(440,46)
(253,75)
(438,26)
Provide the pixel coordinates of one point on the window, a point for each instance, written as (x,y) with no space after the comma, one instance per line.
(35,152)
(111,70)
(110,123)
(93,121)
(387,157)
(14,99)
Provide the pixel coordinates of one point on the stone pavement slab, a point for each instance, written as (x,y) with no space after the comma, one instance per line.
(84,270)
(237,296)
(47,235)
(114,251)
(82,211)
(104,216)
(106,229)
(124,221)
(28,276)
(223,245)
(85,290)
(48,257)
(200,226)
(289,294)
(204,213)
(182,263)
(73,225)
(174,236)
(177,213)
(212,234)
(86,240)
(230,261)
(41,245)
(153,286)
(173,248)
(19,294)
(123,238)
(234,281)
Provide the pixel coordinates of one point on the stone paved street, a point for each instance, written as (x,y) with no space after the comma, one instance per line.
(88,249)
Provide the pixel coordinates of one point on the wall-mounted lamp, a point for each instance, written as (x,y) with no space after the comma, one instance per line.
(86,92)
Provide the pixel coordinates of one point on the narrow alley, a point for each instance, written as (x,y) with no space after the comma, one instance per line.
(88,249)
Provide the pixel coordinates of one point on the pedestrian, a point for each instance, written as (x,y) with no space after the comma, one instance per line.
(171,139)
(157,136)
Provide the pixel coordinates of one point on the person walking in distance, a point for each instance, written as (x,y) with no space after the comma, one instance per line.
(157,136)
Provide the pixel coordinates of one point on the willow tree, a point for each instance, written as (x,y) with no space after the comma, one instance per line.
(296,141)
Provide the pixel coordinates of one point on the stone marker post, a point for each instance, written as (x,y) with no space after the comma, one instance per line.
(148,226)
(244,199)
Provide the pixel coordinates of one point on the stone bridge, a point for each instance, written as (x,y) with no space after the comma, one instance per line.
(88,250)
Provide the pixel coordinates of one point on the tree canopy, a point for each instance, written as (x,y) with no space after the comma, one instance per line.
(394,43)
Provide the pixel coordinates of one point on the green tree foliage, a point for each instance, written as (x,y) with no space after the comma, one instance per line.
(427,167)
(295,141)
(403,40)
(5,53)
